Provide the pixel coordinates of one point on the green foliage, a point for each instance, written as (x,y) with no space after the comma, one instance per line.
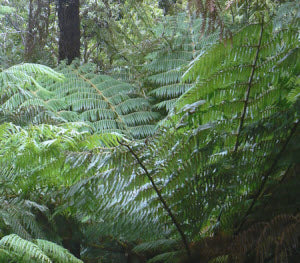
(154,246)
(20,92)
(22,250)
(55,252)
(16,249)
(17,216)
(12,32)
(182,41)
(233,136)
(4,10)
(167,257)
(218,177)
(103,103)
(118,33)
(108,104)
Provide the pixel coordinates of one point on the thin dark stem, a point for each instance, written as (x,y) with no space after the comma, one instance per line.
(248,89)
(162,200)
(265,177)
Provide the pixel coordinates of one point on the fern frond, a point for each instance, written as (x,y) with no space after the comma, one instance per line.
(56,253)
(21,92)
(167,65)
(228,139)
(99,100)
(25,250)
(14,247)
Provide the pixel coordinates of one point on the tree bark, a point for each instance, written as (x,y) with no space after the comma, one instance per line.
(69,25)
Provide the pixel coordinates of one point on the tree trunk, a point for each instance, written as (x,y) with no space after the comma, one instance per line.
(37,29)
(69,25)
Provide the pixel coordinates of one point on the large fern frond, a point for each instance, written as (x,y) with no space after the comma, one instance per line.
(106,104)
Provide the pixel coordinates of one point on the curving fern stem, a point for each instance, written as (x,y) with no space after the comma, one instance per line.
(162,200)
(254,64)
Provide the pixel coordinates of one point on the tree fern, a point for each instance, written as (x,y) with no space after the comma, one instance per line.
(163,244)
(234,134)
(17,217)
(237,87)
(17,214)
(167,257)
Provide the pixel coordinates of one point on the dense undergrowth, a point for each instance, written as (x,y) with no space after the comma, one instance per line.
(201,164)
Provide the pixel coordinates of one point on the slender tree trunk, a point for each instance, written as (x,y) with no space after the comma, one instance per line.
(29,36)
(69,25)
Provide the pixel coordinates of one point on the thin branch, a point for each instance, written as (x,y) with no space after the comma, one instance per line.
(162,200)
(249,88)
(265,177)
